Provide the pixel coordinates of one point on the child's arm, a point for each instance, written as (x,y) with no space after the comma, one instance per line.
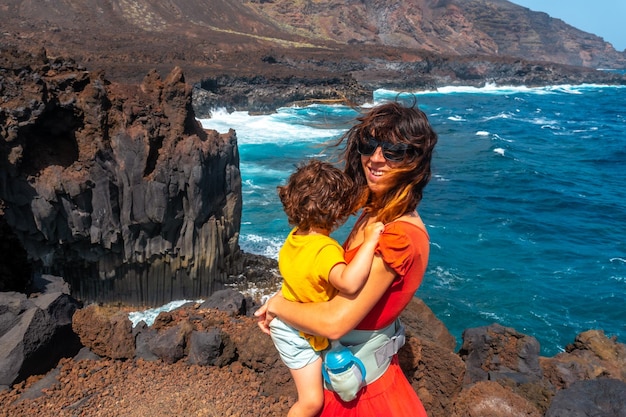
(349,278)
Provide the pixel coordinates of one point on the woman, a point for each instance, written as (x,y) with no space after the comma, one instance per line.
(388,153)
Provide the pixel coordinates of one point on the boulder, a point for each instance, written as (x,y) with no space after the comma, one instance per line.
(490,399)
(428,359)
(496,352)
(602,397)
(143,335)
(419,320)
(257,352)
(208,348)
(435,372)
(35,333)
(170,344)
(228,300)
(105,331)
(592,355)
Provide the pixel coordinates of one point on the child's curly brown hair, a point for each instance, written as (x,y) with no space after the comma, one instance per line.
(318,195)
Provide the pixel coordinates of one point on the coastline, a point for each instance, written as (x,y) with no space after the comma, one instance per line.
(158,370)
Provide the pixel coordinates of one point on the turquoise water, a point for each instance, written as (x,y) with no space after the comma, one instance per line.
(526,210)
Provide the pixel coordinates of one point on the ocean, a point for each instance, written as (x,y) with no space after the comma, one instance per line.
(526,209)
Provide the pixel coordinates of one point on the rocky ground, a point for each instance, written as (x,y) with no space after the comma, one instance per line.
(497,371)
(139,388)
(99,386)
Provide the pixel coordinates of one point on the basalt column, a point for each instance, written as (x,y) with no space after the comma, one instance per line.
(117,188)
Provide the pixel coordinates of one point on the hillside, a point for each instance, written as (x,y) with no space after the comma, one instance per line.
(444,27)
(210,38)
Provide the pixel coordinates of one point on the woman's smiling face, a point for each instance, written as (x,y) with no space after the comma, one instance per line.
(375,167)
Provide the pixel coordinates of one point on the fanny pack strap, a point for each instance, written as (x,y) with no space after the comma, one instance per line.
(384,353)
(375,348)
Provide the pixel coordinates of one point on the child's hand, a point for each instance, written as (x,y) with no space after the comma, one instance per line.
(263,314)
(373,231)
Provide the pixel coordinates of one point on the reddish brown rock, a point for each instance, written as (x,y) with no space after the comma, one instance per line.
(241,373)
(489,399)
(496,352)
(428,359)
(282,39)
(105,331)
(419,319)
(592,355)
(435,372)
(256,351)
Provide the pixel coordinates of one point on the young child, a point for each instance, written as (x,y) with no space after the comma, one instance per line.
(317,199)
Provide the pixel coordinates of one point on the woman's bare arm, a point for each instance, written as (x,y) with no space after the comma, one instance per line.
(336,317)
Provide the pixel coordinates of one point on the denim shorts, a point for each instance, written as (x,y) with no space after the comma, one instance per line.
(294,350)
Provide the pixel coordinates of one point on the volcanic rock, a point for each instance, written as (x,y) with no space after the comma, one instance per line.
(496,352)
(117,188)
(598,397)
(35,332)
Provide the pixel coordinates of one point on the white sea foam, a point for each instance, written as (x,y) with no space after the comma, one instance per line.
(261,245)
(498,137)
(500,90)
(543,121)
(502,115)
(445,277)
(251,186)
(277,128)
(490,315)
(499,151)
(482,133)
(263,171)
(148,316)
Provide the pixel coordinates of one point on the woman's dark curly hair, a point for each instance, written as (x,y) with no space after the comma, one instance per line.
(395,123)
(318,195)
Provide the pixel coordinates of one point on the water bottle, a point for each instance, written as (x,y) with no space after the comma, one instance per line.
(343,372)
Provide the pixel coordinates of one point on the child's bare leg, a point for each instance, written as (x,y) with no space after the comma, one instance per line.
(310,390)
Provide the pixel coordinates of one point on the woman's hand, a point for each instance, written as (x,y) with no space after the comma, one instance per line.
(264,316)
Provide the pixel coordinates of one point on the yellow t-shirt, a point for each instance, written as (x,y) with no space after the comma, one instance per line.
(305,262)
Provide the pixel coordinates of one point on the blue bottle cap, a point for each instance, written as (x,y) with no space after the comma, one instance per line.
(340,360)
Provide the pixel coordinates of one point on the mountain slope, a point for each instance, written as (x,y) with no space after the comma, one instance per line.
(212,37)
(457,27)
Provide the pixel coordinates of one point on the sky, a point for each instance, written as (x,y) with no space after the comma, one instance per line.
(605,18)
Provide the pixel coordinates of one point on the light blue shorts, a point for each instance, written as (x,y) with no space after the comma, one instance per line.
(294,350)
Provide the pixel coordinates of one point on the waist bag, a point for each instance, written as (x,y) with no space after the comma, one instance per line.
(374,350)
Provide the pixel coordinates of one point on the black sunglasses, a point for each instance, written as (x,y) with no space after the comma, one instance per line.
(394,152)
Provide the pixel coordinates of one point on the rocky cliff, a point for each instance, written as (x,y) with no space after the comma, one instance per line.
(116,187)
(444,27)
